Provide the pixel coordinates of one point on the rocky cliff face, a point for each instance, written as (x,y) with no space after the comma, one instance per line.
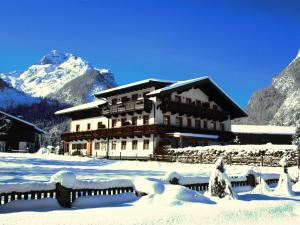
(278,104)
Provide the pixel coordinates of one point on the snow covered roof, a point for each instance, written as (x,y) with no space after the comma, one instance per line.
(178,134)
(23,121)
(175,85)
(124,88)
(90,105)
(266,129)
(210,88)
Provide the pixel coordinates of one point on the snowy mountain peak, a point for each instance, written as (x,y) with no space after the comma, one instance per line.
(54,57)
(54,71)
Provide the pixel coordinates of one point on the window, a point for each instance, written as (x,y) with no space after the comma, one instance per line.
(77,127)
(100,125)
(222,127)
(114,101)
(125,99)
(146,144)
(134,144)
(113,123)
(189,122)
(214,125)
(205,124)
(198,103)
(123,122)
(134,97)
(134,121)
(113,145)
(103,145)
(188,101)
(198,123)
(178,121)
(97,145)
(146,120)
(79,146)
(123,145)
(166,120)
(88,126)
(177,98)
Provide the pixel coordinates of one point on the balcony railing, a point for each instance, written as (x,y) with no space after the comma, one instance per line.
(194,110)
(126,107)
(131,131)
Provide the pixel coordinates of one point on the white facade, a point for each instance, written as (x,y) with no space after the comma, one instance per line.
(140,146)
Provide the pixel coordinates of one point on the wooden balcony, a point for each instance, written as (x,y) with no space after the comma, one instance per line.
(193,110)
(127,107)
(136,131)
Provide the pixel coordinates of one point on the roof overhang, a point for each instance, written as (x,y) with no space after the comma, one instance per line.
(192,135)
(133,87)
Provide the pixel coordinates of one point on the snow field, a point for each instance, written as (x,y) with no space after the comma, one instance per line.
(166,204)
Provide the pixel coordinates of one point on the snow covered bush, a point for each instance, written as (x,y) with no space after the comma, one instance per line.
(65,178)
(285,183)
(219,184)
(173,178)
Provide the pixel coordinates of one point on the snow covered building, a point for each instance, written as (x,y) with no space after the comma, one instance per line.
(143,118)
(18,135)
(263,134)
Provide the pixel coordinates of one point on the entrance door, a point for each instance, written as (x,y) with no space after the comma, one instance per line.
(89,148)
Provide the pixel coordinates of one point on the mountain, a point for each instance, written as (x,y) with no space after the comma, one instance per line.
(278,104)
(10,97)
(59,80)
(53,75)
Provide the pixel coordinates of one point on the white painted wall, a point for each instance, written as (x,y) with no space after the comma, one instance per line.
(84,122)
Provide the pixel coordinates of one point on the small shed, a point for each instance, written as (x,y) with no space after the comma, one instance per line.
(18,135)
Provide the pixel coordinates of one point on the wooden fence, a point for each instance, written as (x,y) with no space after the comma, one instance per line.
(65,196)
(204,186)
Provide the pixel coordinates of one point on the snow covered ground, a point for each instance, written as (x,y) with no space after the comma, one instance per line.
(173,205)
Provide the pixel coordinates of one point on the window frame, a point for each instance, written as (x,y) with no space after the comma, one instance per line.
(134,144)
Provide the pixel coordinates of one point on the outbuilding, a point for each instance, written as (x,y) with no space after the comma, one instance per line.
(18,135)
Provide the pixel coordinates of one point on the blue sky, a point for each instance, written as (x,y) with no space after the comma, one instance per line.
(240,44)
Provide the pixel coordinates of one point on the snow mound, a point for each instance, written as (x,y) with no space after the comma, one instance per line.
(65,178)
(181,193)
(148,186)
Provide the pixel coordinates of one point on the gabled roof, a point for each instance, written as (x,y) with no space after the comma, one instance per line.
(133,86)
(82,107)
(210,88)
(24,122)
(263,129)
